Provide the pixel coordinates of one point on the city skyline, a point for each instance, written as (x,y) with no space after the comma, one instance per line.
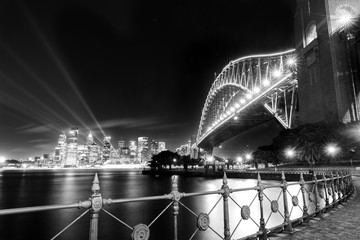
(122,69)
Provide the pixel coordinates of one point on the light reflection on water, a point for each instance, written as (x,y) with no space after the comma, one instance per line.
(70,186)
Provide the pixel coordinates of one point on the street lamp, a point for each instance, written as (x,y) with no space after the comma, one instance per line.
(290,153)
(332,149)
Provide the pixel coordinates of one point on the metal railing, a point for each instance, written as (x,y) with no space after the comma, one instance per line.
(318,194)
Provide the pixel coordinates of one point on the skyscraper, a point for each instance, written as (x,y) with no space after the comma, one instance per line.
(161,146)
(106,149)
(143,150)
(154,147)
(71,155)
(133,150)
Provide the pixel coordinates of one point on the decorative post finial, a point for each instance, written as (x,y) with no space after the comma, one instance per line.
(95,187)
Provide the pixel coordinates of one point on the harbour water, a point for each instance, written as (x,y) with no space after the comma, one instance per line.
(23,188)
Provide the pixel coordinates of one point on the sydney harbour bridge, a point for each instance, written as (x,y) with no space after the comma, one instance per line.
(318,80)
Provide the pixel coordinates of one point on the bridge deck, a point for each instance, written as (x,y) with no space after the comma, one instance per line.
(335,224)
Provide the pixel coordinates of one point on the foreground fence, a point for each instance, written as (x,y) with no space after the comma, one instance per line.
(311,198)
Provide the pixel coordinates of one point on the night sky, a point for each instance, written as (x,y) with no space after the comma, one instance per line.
(135,68)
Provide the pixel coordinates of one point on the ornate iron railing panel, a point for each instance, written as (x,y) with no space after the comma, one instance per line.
(309,198)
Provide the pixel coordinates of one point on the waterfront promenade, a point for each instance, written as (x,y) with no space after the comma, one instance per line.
(342,222)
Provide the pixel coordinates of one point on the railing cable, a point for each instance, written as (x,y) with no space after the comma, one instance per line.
(118,219)
(70,224)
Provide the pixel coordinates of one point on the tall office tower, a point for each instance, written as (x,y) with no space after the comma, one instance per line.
(90,139)
(106,149)
(161,146)
(60,150)
(125,155)
(133,150)
(143,150)
(71,155)
(94,153)
(121,144)
(83,153)
(154,147)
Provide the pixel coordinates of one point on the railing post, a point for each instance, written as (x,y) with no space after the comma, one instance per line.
(325,190)
(225,193)
(306,218)
(284,186)
(333,189)
(176,197)
(262,229)
(96,204)
(317,201)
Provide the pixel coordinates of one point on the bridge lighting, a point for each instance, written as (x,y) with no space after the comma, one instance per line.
(249,95)
(266,82)
(232,109)
(236,118)
(277,73)
(291,61)
(228,112)
(242,101)
(209,128)
(256,89)
(237,105)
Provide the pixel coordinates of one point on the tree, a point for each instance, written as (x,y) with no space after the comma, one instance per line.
(163,159)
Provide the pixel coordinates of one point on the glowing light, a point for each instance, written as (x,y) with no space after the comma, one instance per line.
(221,117)
(291,61)
(228,112)
(248,156)
(174,160)
(256,89)
(249,95)
(236,118)
(332,149)
(290,152)
(242,101)
(239,159)
(2,159)
(237,105)
(210,159)
(232,109)
(266,82)
(277,73)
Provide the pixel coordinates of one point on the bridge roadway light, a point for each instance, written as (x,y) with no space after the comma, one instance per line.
(277,73)
(242,101)
(266,82)
(256,89)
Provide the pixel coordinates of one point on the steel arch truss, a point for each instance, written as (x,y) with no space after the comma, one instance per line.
(268,80)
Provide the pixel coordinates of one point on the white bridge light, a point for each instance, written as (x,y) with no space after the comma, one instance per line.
(266,82)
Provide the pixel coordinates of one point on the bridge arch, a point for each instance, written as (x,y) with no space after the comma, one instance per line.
(268,80)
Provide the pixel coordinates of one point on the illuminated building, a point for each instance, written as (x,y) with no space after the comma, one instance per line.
(133,150)
(71,154)
(60,150)
(154,147)
(106,149)
(83,153)
(162,147)
(125,155)
(143,149)
(90,139)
